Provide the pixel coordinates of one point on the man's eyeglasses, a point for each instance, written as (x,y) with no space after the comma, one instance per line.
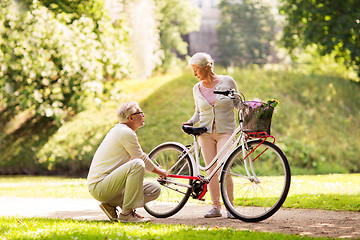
(141,113)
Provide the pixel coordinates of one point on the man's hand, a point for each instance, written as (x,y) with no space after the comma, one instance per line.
(160,171)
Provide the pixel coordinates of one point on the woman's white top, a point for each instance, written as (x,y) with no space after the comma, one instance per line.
(222,113)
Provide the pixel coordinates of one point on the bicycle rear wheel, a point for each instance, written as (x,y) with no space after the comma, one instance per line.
(254,189)
(174,191)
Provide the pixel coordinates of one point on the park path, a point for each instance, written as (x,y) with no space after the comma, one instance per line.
(314,223)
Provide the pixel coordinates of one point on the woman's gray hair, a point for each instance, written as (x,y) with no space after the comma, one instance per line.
(126,110)
(202,60)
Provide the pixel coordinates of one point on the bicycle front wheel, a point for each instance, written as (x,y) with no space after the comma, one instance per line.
(255,188)
(174,191)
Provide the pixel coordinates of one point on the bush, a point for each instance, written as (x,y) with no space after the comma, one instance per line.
(50,63)
(70,150)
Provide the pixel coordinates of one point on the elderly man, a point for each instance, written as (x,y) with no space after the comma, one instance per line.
(116,175)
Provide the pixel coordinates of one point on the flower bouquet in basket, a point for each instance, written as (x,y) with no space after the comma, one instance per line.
(257,115)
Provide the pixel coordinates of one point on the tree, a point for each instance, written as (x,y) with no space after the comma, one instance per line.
(176,19)
(333,25)
(49,63)
(246,32)
(155,29)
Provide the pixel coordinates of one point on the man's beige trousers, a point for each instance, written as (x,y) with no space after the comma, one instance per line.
(125,187)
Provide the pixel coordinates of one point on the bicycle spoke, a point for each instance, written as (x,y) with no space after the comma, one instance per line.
(174,191)
(261,193)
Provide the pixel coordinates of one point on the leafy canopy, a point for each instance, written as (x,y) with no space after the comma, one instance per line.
(333,25)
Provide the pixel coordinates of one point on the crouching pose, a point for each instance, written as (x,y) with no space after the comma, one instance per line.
(116,175)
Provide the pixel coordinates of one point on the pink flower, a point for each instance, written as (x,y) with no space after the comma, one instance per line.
(255,103)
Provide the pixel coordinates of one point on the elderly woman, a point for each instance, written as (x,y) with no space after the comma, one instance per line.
(216,113)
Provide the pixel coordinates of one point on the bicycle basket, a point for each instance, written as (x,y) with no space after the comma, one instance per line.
(257,116)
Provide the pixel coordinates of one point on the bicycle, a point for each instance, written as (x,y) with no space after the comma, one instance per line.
(256,169)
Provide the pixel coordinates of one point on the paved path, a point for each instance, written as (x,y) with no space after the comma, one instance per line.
(291,221)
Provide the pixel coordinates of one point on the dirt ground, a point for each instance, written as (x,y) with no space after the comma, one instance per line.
(314,223)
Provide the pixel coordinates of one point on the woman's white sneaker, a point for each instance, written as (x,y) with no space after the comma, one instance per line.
(214,212)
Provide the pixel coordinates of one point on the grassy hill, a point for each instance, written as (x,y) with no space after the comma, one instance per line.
(317,123)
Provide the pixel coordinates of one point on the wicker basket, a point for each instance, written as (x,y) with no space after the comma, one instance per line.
(257,116)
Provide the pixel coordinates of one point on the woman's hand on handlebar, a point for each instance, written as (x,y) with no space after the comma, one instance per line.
(231,93)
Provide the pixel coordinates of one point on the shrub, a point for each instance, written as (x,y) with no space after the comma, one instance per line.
(50,64)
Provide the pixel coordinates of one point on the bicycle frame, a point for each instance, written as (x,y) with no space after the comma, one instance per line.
(252,188)
(228,146)
(241,139)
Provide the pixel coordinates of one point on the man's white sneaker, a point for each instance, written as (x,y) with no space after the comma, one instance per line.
(110,211)
(132,217)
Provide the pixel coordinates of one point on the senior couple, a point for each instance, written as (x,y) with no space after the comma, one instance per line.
(116,175)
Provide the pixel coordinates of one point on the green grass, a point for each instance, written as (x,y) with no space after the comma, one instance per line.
(40,228)
(330,192)
(333,192)
(43,187)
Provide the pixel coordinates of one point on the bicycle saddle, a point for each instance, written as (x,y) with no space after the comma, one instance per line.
(196,131)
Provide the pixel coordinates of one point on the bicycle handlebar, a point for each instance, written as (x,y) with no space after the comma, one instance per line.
(231,93)
(223,92)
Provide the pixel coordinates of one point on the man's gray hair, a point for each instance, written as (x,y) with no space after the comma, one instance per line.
(126,110)
(201,59)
